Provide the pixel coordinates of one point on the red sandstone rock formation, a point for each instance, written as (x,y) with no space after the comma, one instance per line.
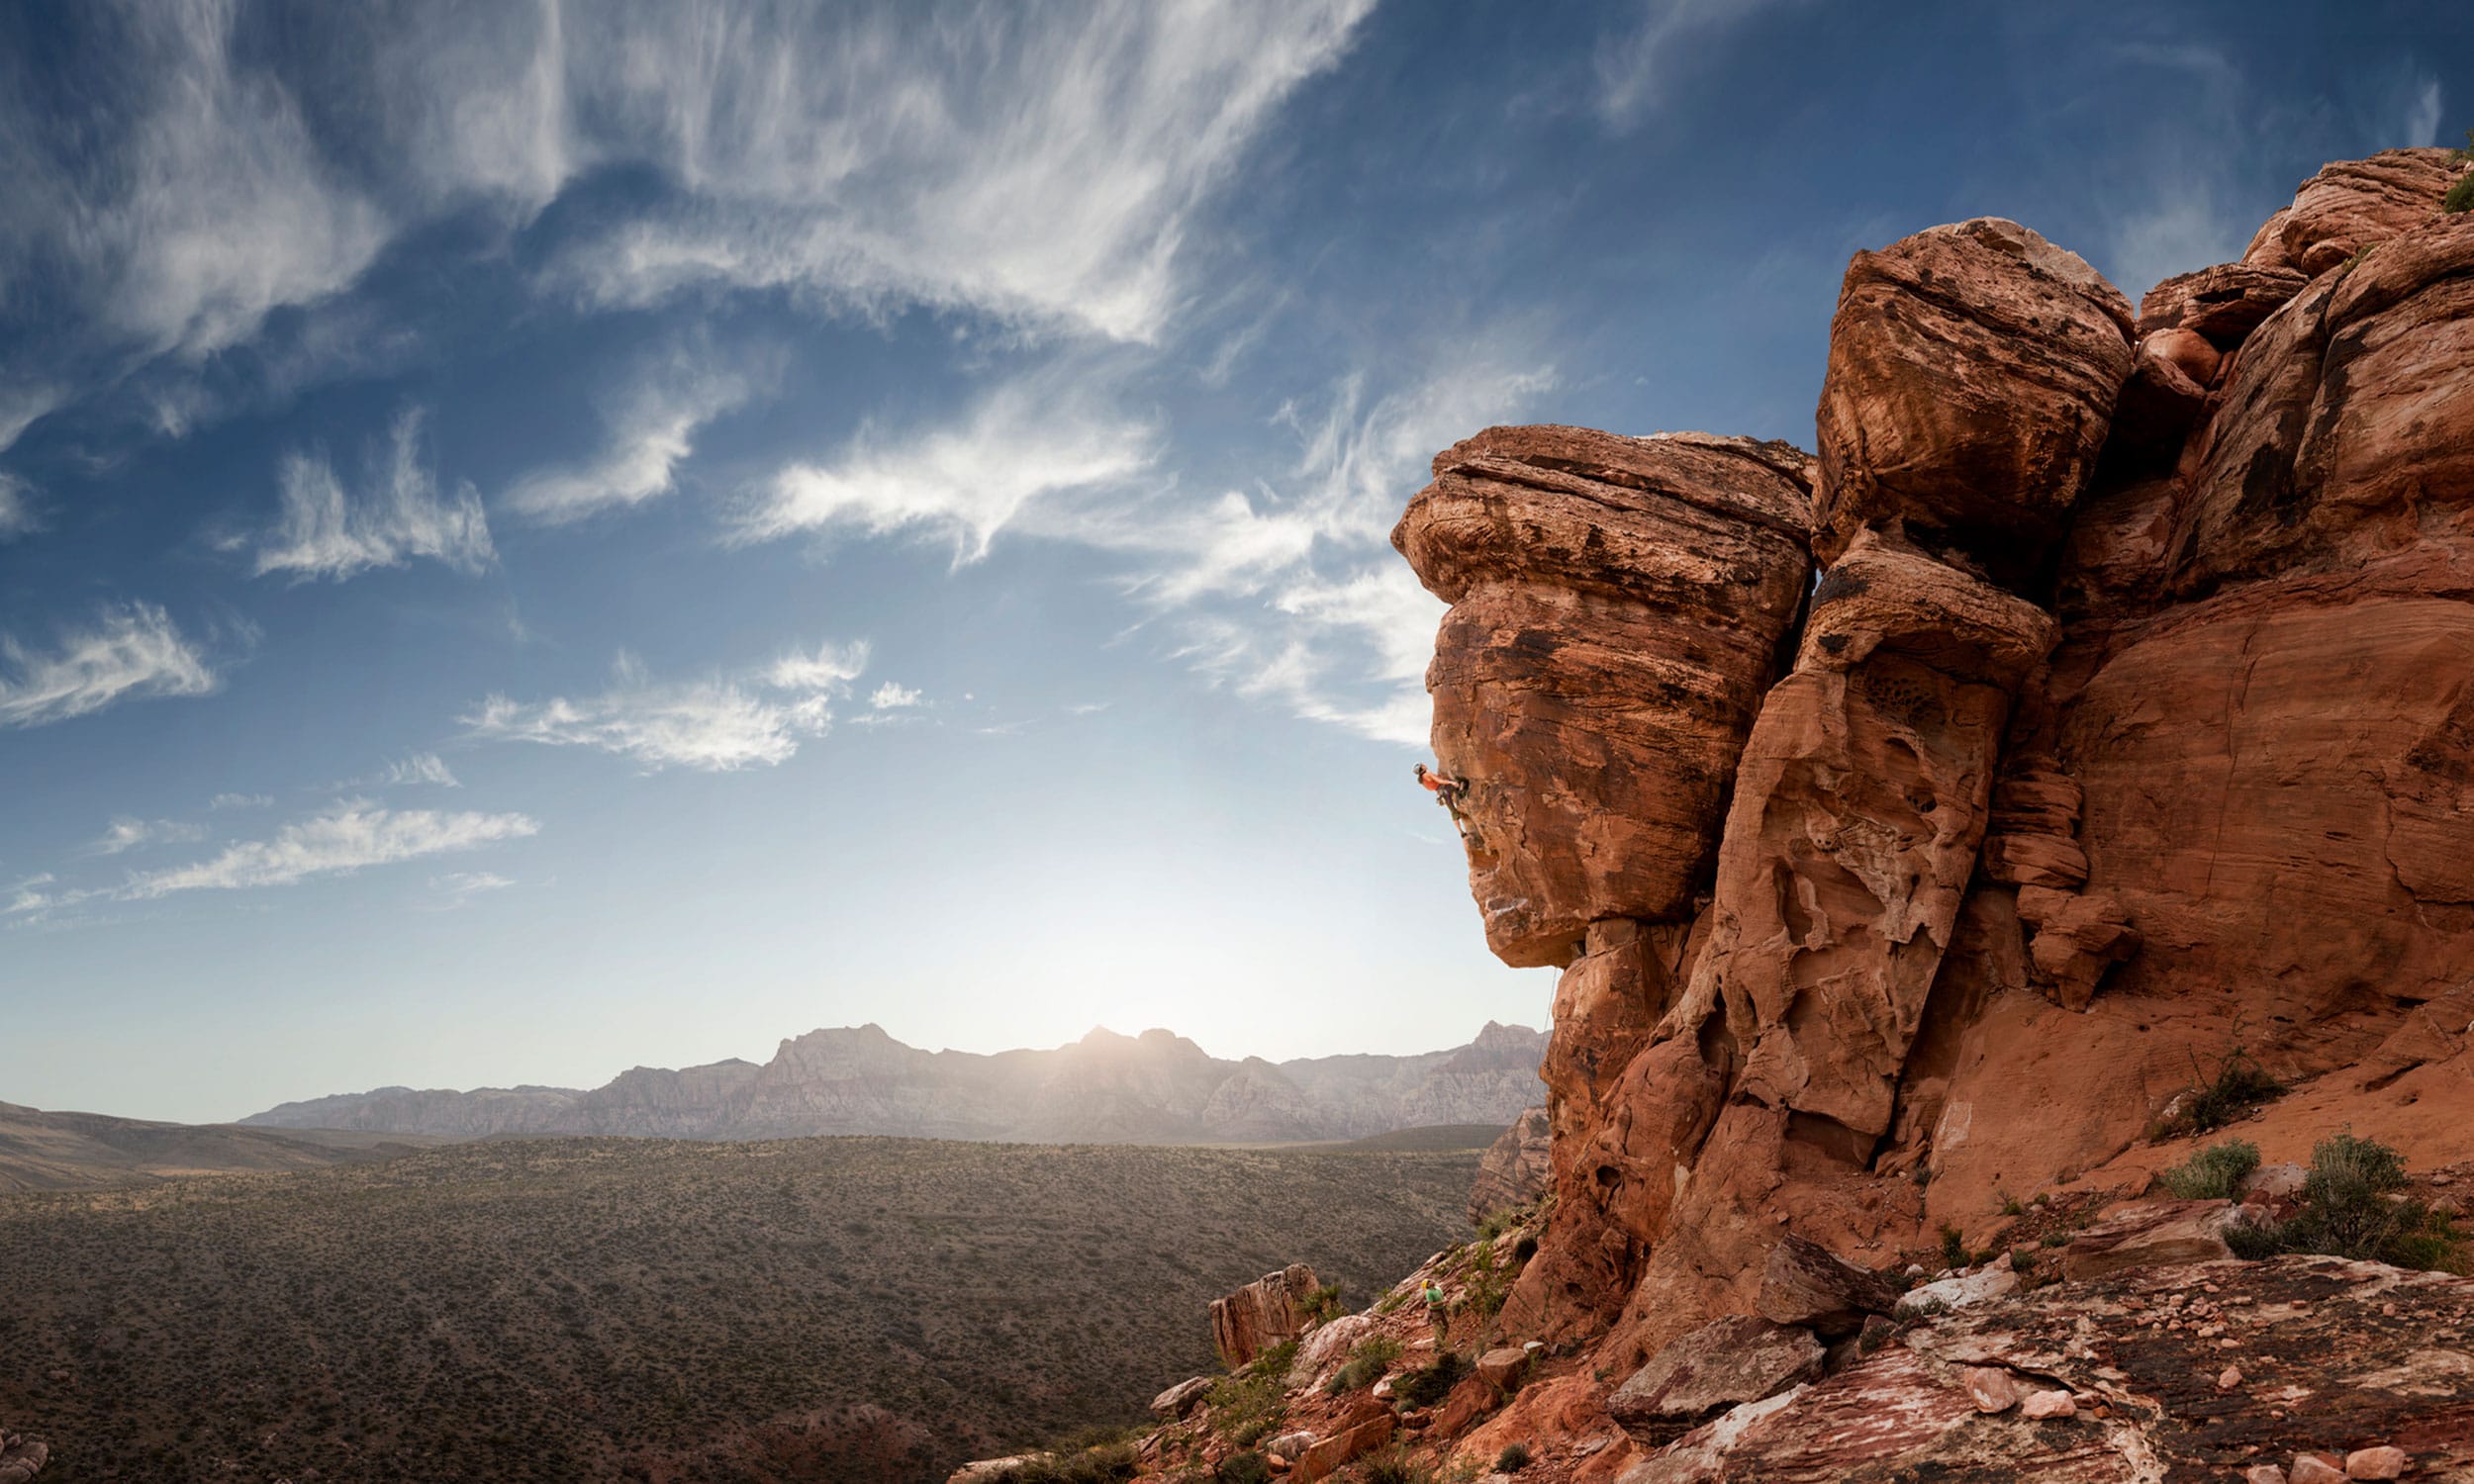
(1265,1312)
(2131,721)
(1515,1168)
(1617,607)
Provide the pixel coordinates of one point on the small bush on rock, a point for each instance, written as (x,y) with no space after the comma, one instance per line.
(2214,1173)
(1243,1468)
(2215,1099)
(2352,1207)
(1323,1304)
(1395,1468)
(1365,1364)
(1513,1458)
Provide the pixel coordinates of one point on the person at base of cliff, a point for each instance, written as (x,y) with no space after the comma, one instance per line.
(1446,791)
(1436,1314)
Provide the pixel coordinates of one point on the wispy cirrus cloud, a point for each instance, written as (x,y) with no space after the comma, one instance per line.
(127,832)
(1639,62)
(18,515)
(129,652)
(1039,166)
(348,836)
(398,515)
(419,768)
(714,725)
(1287,591)
(461,887)
(1027,441)
(223,802)
(652,426)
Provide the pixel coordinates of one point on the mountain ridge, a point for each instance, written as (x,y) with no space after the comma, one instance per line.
(1156,1087)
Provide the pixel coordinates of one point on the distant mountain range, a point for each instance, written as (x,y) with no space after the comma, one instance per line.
(1106,1088)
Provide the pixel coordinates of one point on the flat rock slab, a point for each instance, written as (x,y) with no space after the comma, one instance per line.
(2148,1235)
(1805,1283)
(1722,1364)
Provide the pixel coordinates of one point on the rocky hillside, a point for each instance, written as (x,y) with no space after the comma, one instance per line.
(1941,834)
(41,1151)
(1106,1088)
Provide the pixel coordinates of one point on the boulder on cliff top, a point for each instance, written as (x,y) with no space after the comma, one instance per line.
(1972,376)
(1265,1312)
(1618,607)
(2354,203)
(1722,1364)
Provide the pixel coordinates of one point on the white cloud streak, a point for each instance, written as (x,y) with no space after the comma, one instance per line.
(712,725)
(196,199)
(1026,442)
(130,652)
(890,697)
(1039,165)
(127,832)
(420,768)
(2422,113)
(222,801)
(18,515)
(328,532)
(348,836)
(652,429)
(1636,66)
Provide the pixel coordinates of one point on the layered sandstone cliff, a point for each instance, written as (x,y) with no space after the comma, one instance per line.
(2130,716)
(1914,824)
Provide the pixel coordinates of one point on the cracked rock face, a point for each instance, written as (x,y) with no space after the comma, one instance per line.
(1972,376)
(2129,717)
(1617,607)
(2334,1356)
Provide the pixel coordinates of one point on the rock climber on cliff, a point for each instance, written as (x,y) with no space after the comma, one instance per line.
(1448,792)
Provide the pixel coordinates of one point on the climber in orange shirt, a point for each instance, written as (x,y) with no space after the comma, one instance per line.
(1446,791)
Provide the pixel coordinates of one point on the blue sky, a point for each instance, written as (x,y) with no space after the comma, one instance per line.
(536,538)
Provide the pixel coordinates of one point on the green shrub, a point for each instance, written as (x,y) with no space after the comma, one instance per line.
(2460,197)
(1953,1247)
(2215,1099)
(1243,1468)
(1246,1407)
(1323,1304)
(1365,1364)
(2214,1173)
(1431,1383)
(1395,1468)
(2351,1208)
(1513,1458)
(1495,1223)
